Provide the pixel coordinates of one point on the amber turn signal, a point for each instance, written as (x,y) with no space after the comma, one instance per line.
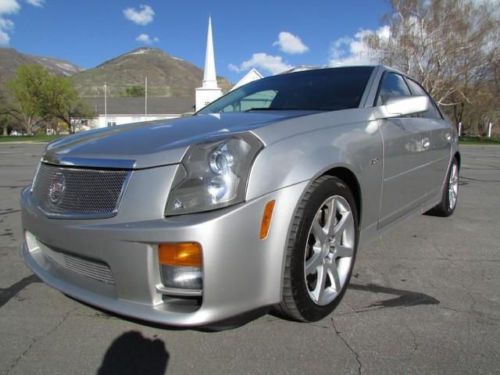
(187,254)
(266,219)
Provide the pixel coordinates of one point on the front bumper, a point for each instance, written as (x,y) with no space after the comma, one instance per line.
(241,272)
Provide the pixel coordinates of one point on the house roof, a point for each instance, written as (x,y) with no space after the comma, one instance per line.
(135,105)
(252,75)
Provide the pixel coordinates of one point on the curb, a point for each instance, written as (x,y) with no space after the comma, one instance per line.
(24,143)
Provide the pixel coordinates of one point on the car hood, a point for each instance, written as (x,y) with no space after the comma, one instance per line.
(148,145)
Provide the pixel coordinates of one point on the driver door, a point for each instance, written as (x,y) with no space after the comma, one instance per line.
(406,144)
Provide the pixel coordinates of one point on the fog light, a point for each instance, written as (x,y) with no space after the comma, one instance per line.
(181,265)
(181,277)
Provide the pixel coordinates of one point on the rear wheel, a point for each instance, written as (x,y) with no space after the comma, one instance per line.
(450,193)
(321,250)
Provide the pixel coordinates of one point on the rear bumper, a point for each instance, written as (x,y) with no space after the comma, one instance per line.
(241,272)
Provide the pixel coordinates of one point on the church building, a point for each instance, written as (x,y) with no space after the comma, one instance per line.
(210,90)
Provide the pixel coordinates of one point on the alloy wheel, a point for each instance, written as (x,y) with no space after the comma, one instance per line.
(329,250)
(453,187)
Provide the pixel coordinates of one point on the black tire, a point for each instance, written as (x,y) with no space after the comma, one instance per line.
(445,208)
(297,303)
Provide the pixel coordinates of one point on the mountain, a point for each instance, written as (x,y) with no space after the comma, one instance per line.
(10,60)
(167,75)
(56,66)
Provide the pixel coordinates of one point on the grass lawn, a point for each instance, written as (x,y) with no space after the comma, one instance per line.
(31,138)
(479,141)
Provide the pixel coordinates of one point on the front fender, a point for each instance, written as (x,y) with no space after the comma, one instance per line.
(306,156)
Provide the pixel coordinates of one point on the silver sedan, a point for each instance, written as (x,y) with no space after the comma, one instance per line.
(259,200)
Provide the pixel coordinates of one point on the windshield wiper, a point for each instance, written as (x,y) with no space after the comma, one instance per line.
(322,109)
(274,109)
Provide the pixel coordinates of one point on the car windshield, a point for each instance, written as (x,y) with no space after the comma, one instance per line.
(316,90)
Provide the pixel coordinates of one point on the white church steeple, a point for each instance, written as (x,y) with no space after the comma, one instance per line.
(209,90)
(209,76)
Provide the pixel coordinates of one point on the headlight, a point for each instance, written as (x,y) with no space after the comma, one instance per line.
(33,182)
(213,175)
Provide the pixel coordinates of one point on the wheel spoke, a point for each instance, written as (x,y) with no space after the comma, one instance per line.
(332,214)
(318,231)
(343,251)
(334,275)
(343,223)
(319,290)
(313,263)
(452,198)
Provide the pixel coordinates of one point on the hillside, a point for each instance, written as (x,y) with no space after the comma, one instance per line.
(167,75)
(56,66)
(10,60)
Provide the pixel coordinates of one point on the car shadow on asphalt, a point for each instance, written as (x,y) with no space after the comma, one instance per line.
(6,294)
(403,298)
(132,353)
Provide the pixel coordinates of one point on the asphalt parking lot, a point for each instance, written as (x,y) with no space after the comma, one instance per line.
(425,298)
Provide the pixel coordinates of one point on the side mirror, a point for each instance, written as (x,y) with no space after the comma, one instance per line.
(406,105)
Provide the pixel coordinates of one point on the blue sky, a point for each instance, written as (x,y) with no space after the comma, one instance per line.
(269,35)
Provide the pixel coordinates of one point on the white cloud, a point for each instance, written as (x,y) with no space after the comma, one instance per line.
(234,68)
(6,24)
(273,64)
(9,7)
(289,43)
(36,3)
(354,51)
(4,38)
(141,16)
(146,39)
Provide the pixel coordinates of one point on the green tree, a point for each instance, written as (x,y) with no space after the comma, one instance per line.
(4,112)
(40,97)
(136,91)
(27,92)
(62,102)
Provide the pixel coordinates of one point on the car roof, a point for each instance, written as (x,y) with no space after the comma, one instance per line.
(302,68)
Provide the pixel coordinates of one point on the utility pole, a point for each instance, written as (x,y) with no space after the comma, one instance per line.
(146,96)
(105,104)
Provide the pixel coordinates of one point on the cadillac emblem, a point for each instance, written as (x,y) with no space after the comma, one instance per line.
(57,187)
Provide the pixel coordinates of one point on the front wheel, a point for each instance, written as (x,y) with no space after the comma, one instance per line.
(321,250)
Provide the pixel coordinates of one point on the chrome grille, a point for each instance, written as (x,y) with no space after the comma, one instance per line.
(90,268)
(78,192)
(94,270)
